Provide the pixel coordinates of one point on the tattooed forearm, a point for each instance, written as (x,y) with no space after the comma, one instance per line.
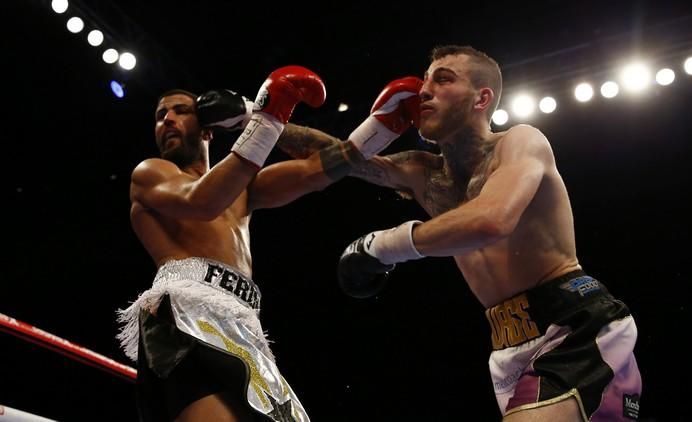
(372,173)
(339,159)
(301,142)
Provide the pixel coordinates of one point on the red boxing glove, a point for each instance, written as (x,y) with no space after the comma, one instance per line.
(283,89)
(286,87)
(398,105)
(394,111)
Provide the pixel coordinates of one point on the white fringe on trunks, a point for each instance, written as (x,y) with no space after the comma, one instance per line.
(204,307)
(183,281)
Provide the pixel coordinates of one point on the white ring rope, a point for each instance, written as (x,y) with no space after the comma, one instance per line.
(8,414)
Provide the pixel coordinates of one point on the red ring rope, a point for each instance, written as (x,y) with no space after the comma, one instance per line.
(80,354)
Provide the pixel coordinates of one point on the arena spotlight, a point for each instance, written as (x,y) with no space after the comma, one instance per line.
(127,61)
(609,89)
(500,117)
(688,66)
(547,105)
(110,56)
(95,37)
(583,92)
(118,89)
(59,6)
(342,107)
(665,76)
(523,105)
(75,24)
(636,77)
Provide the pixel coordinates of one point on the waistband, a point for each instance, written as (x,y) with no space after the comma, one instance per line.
(527,315)
(213,273)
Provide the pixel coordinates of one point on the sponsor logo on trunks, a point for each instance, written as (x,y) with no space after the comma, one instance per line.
(508,382)
(233,283)
(511,323)
(582,285)
(630,406)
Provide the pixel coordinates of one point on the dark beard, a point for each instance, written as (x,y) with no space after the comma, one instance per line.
(188,152)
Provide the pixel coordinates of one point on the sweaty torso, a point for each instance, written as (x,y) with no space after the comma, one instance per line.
(540,248)
(225,239)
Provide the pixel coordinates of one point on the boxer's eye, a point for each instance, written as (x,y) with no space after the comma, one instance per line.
(182,109)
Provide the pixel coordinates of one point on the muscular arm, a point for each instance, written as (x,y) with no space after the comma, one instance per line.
(160,185)
(321,160)
(283,182)
(301,141)
(524,158)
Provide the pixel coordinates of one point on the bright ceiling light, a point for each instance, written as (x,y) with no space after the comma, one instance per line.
(610,89)
(75,24)
(523,105)
(500,117)
(665,76)
(688,66)
(636,77)
(59,6)
(547,105)
(95,37)
(583,92)
(110,55)
(127,61)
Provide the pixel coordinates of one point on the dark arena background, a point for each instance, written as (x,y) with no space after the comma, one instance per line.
(416,352)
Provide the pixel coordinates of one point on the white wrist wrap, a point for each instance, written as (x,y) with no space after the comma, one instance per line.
(371,137)
(258,138)
(393,245)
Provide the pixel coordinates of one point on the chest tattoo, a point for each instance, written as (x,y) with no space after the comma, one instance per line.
(448,187)
(441,193)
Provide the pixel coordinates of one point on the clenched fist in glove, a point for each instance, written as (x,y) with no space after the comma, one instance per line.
(365,264)
(395,110)
(276,99)
(223,109)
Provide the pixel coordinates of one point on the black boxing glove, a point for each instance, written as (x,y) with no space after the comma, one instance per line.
(361,275)
(223,109)
(365,264)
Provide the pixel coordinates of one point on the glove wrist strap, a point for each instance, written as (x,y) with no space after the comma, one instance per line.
(371,137)
(393,245)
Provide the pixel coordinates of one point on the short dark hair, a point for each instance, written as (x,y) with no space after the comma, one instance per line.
(485,72)
(177,91)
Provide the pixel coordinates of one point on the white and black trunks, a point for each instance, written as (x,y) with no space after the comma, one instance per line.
(197,332)
(566,338)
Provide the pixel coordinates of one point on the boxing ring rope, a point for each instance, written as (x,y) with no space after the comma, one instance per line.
(73,351)
(54,343)
(13,415)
